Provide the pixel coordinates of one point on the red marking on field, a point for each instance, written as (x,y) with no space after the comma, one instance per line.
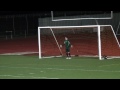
(19,45)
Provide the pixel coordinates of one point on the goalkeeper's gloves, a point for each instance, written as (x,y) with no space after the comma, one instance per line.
(60,46)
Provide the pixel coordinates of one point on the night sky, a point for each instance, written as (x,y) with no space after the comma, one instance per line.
(21,12)
(2,13)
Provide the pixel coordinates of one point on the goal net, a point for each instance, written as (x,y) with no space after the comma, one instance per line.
(89,41)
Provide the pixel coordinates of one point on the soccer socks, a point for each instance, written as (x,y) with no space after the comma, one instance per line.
(69,54)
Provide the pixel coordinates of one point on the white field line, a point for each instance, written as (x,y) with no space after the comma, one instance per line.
(19,53)
(28,52)
(17,76)
(109,65)
(31,73)
(42,65)
(62,69)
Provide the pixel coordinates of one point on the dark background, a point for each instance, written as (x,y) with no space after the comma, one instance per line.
(3,13)
(25,22)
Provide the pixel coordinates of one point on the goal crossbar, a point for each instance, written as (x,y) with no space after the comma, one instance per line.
(110,17)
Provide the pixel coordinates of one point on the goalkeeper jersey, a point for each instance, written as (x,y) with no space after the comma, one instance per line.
(67,44)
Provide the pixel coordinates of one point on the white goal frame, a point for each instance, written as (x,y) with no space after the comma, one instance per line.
(110,17)
(99,36)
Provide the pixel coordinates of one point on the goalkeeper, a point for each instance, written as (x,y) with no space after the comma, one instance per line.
(67,47)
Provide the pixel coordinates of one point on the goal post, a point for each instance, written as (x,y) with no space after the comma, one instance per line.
(99,43)
(56,41)
(88,41)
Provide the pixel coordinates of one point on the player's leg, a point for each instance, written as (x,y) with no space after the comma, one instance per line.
(69,55)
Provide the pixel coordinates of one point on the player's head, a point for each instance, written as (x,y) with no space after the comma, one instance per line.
(66,38)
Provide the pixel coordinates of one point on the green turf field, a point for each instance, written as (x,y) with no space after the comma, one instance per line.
(30,67)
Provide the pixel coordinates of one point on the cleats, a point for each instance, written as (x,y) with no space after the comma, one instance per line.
(68,58)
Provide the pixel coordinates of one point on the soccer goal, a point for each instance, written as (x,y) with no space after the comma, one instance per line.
(88,41)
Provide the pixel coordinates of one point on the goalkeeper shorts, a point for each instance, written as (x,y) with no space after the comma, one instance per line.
(67,49)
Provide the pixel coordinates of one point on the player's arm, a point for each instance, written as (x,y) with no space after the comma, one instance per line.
(70,44)
(60,46)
